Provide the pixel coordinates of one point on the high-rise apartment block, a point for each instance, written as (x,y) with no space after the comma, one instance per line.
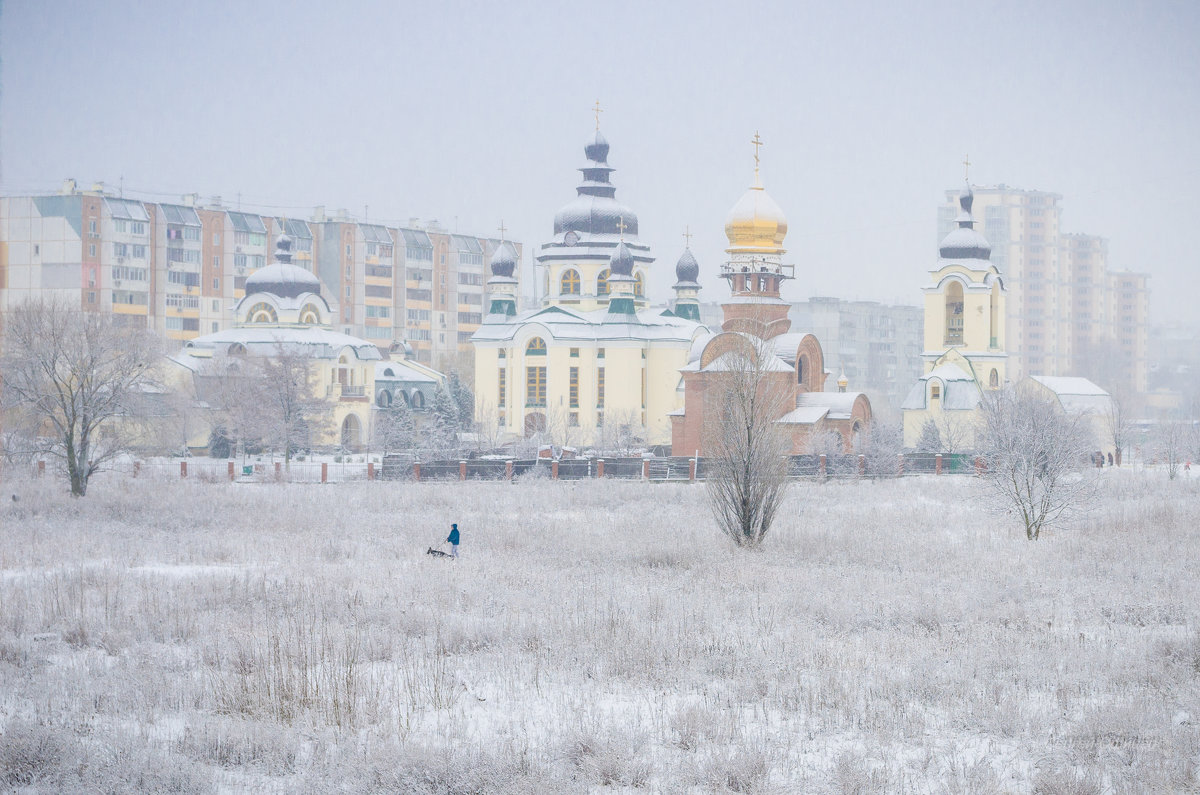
(181,268)
(1068,313)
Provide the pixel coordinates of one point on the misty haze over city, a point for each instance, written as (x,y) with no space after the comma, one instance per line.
(473,113)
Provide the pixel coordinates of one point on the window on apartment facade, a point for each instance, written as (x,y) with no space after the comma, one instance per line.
(573,395)
(92,228)
(91,249)
(599,387)
(502,386)
(191,233)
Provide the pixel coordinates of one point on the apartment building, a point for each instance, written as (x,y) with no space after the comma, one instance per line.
(876,346)
(1067,312)
(180,268)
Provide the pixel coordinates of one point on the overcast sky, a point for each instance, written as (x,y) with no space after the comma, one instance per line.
(476,112)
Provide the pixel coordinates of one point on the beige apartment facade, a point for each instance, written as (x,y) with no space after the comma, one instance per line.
(180,268)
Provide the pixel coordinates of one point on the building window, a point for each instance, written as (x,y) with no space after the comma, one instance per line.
(569,284)
(639,286)
(574,353)
(216,305)
(599,387)
(602,283)
(216,238)
(573,395)
(935,392)
(954,314)
(573,419)
(643,387)
(502,384)
(216,283)
(536,347)
(261,313)
(91,249)
(535,386)
(599,353)
(92,228)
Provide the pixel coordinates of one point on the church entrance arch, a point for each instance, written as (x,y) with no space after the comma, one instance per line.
(351,432)
(535,422)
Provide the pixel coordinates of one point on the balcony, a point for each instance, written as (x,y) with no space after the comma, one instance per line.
(350,392)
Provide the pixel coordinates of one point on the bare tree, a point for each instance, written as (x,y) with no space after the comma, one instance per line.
(881,445)
(234,389)
(1119,424)
(930,440)
(746,449)
(621,432)
(73,377)
(1170,444)
(1036,458)
(295,413)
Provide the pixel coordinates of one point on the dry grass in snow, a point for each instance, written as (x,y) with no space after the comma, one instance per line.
(182,636)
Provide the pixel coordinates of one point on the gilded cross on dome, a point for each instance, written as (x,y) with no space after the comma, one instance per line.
(621,225)
(687,237)
(757,143)
(598,112)
(502,230)
(967,168)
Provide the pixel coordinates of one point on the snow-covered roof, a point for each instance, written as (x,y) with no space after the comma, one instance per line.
(401,370)
(1076,395)
(314,341)
(961,393)
(804,415)
(839,405)
(564,323)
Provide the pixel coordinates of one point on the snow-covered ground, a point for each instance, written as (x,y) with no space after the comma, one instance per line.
(167,634)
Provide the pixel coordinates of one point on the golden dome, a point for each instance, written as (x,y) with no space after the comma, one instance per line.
(756,225)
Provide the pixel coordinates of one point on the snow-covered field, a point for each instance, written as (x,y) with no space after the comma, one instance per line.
(178,635)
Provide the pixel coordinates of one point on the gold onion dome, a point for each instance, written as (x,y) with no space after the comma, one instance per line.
(756,225)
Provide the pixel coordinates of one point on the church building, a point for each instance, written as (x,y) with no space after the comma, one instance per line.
(593,354)
(964,349)
(756,323)
(283,310)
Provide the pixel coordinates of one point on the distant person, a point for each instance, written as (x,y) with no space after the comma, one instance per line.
(1110,459)
(453,540)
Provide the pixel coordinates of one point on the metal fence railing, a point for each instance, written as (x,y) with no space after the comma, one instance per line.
(407,467)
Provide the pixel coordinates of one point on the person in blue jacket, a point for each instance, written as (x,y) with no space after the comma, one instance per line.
(453,539)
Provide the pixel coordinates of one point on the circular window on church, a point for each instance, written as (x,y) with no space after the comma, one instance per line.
(571,238)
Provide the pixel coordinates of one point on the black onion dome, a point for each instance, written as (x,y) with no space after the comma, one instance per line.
(964,242)
(621,262)
(595,210)
(503,262)
(687,269)
(281,277)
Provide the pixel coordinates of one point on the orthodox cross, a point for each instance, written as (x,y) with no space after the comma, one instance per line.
(757,143)
(967,168)
(502,230)
(598,112)
(687,237)
(621,225)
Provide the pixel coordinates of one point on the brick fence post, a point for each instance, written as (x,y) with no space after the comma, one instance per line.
(937,464)
(370,470)
(417,470)
(183,469)
(821,466)
(41,469)
(600,468)
(230,470)
(980,466)
(462,470)
(554,470)
(278,470)
(324,471)
(691,470)
(645,469)
(900,463)
(137,468)
(508,470)
(862,465)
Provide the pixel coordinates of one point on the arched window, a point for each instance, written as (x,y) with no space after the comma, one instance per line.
(237,349)
(351,432)
(418,400)
(954,314)
(309,315)
(384,399)
(800,370)
(994,379)
(388,372)
(261,313)
(602,283)
(995,317)
(536,347)
(639,285)
(400,393)
(569,284)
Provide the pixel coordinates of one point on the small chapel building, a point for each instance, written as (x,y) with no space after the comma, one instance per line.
(964,337)
(756,323)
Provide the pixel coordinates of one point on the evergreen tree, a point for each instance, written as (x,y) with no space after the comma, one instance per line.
(464,398)
(444,428)
(930,440)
